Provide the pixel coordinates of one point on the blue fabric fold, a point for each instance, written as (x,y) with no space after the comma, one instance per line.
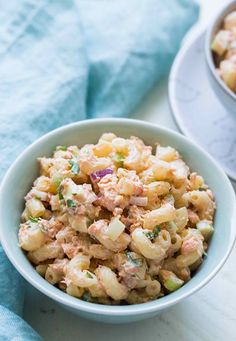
(63,61)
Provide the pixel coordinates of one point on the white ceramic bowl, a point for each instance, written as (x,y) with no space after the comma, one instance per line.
(223,93)
(20,176)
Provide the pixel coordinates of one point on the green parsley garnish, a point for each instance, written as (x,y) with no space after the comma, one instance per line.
(136,261)
(88,274)
(60,194)
(63,148)
(157,230)
(70,203)
(74,167)
(153,234)
(34,220)
(150,235)
(205,254)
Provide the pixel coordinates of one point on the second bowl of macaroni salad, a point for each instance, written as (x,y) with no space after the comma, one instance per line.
(224,48)
(117,222)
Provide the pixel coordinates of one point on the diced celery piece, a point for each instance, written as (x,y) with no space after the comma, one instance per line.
(71,189)
(118,159)
(56,180)
(173,284)
(171,227)
(63,148)
(115,228)
(206,228)
(170,281)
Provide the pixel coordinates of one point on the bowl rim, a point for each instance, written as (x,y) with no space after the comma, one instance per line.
(106,310)
(218,17)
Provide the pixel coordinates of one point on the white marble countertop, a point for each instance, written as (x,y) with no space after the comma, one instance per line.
(209,315)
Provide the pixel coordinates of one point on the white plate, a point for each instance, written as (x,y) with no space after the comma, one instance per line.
(195,107)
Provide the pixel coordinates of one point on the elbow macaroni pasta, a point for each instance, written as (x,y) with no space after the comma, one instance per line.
(111,223)
(224,50)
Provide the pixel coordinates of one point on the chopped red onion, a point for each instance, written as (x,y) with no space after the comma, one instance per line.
(96,176)
(139,201)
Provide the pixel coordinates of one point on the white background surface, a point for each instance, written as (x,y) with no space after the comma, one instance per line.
(208,315)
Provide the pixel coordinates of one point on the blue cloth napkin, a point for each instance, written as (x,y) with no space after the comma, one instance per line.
(63,61)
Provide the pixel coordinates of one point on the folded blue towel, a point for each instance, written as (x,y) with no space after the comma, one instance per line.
(63,61)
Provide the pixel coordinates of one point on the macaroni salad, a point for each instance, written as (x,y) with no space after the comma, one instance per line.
(113,223)
(224,48)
